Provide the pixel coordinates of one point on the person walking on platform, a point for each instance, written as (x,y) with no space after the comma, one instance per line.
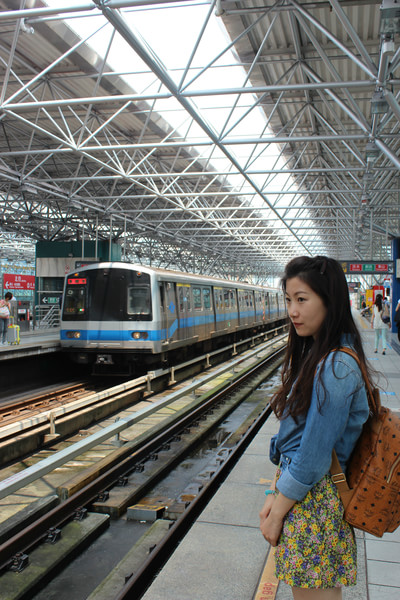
(5,311)
(321,405)
(378,325)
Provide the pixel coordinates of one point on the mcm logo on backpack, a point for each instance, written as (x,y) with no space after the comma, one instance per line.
(371,490)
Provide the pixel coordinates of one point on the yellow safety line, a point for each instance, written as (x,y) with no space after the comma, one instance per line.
(365,324)
(268,586)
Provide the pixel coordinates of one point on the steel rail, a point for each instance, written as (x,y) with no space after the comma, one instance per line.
(28,538)
(27,476)
(140,581)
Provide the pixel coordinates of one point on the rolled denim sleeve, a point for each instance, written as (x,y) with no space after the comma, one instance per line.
(326,422)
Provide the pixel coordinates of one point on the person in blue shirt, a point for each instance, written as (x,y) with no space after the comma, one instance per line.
(321,405)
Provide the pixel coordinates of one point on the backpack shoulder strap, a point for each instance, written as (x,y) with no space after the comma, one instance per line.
(372,392)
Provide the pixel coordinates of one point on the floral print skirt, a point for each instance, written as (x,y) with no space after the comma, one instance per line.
(317,548)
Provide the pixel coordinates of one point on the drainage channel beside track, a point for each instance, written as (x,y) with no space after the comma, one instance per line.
(123,476)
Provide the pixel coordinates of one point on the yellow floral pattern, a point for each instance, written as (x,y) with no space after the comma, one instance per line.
(317,548)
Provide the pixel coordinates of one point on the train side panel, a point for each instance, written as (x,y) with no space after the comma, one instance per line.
(123,313)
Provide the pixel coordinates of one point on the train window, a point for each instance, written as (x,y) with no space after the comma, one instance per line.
(207,298)
(216,300)
(197,304)
(184,298)
(180,298)
(226,298)
(232,299)
(138,300)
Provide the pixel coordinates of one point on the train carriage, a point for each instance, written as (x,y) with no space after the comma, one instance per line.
(124,315)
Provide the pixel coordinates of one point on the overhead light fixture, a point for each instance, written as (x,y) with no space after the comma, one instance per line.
(390,16)
(364,200)
(371,151)
(368,177)
(379,105)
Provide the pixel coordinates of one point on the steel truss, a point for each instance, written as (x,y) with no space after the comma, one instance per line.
(278,145)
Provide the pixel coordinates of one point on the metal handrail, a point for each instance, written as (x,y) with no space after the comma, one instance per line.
(46,317)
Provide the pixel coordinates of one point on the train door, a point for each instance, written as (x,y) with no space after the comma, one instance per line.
(208,311)
(233,308)
(258,306)
(199,323)
(168,310)
(274,305)
(219,309)
(242,308)
(184,311)
(266,308)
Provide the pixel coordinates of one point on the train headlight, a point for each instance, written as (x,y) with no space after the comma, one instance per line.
(139,335)
(73,335)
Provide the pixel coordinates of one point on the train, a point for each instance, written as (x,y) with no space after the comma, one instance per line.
(119,317)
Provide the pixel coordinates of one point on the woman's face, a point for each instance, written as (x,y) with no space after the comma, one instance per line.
(305,308)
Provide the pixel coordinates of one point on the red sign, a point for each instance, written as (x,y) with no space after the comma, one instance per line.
(18,282)
(355,267)
(76,281)
(381,268)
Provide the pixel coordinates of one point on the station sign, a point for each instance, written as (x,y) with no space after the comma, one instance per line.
(370,267)
(49,299)
(18,282)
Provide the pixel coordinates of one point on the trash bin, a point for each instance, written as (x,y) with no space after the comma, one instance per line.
(23,315)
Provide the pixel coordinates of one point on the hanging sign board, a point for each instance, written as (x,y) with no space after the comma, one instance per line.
(18,282)
(368,268)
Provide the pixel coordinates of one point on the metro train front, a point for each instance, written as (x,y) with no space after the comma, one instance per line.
(108,311)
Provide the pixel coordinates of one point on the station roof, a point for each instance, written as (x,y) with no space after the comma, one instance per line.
(221,138)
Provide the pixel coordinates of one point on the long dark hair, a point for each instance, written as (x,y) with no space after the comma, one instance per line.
(378,302)
(326,278)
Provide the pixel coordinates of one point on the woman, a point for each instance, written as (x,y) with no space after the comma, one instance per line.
(322,405)
(378,325)
(5,310)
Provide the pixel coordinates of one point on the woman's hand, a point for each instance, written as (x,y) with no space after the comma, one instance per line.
(271,528)
(270,525)
(266,509)
(272,515)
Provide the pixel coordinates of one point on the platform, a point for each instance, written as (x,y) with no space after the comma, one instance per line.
(224,555)
(32,343)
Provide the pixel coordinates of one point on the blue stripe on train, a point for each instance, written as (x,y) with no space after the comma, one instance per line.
(108,335)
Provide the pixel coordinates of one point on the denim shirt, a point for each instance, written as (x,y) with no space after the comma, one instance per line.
(304,448)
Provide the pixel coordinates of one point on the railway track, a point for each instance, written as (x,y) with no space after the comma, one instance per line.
(129,472)
(34,422)
(18,409)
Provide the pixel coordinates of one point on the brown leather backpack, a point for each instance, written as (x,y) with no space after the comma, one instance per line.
(371,491)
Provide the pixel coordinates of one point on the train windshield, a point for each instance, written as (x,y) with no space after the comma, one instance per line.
(75,297)
(108,295)
(139,300)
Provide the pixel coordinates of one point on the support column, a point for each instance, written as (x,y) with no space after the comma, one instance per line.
(396,280)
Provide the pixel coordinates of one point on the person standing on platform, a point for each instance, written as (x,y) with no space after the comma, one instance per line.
(397,318)
(13,306)
(5,310)
(378,325)
(321,405)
